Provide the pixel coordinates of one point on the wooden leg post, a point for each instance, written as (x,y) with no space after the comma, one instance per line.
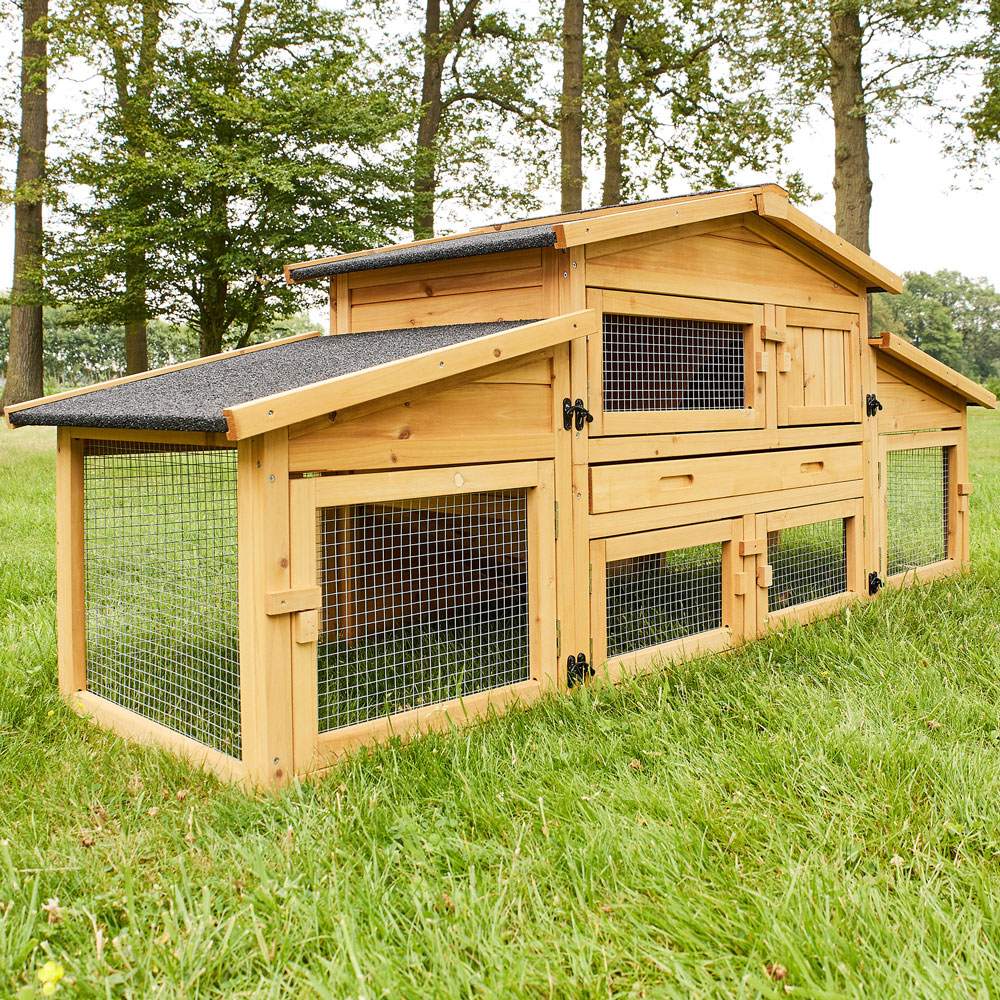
(70,580)
(265,640)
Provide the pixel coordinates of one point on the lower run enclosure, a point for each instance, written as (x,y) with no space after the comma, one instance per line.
(529,456)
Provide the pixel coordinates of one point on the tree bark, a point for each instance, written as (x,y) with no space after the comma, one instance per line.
(424,179)
(571,108)
(24,368)
(437,46)
(852,183)
(614,115)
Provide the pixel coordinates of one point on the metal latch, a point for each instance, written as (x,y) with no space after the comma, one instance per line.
(579,410)
(577,669)
(874,583)
(872,405)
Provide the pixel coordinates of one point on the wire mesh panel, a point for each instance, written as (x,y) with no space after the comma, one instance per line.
(917,507)
(653,599)
(423,600)
(808,562)
(655,364)
(160,566)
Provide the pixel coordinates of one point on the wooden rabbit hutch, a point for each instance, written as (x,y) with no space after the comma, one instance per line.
(597,441)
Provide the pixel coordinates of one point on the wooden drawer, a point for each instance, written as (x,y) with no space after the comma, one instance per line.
(682,480)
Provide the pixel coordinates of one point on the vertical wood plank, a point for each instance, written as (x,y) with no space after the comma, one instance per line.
(343,305)
(837,353)
(771,377)
(873,522)
(304,562)
(732,563)
(813,363)
(573,297)
(856,580)
(542,579)
(959,522)
(599,603)
(265,640)
(333,304)
(71,623)
(755,563)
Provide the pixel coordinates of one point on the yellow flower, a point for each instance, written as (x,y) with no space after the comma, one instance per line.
(49,975)
(51,712)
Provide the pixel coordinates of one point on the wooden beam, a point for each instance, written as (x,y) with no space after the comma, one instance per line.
(305,402)
(83,390)
(772,204)
(937,371)
(677,213)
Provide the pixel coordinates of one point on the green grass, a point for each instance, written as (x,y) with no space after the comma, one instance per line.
(825,800)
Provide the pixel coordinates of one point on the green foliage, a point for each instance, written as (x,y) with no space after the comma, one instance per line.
(954,318)
(908,48)
(694,104)
(265,139)
(823,799)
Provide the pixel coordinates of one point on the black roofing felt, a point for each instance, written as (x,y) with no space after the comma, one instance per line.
(192,399)
(462,246)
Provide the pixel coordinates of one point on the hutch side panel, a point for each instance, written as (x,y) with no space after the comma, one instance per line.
(474,290)
(731,263)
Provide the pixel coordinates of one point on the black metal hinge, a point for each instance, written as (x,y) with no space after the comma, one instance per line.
(872,405)
(577,669)
(874,583)
(578,410)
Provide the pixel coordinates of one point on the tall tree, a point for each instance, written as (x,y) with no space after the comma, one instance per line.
(571,107)
(24,369)
(271,136)
(104,249)
(674,90)
(867,61)
(437,46)
(478,64)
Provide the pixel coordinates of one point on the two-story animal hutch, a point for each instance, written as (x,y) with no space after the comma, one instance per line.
(597,441)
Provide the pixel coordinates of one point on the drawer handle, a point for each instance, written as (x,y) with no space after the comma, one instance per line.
(676,482)
(806,467)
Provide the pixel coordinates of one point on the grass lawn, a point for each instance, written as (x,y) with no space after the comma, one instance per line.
(827,800)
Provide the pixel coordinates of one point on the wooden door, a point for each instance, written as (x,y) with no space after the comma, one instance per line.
(819,367)
(437,601)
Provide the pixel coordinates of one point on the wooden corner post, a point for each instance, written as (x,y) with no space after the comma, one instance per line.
(70,580)
(265,639)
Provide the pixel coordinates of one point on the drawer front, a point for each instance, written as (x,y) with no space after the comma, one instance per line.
(682,480)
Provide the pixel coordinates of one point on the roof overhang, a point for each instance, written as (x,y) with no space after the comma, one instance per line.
(286,408)
(920,361)
(768,201)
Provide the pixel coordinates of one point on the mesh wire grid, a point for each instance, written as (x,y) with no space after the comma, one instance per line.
(808,562)
(423,600)
(652,363)
(917,507)
(160,564)
(652,599)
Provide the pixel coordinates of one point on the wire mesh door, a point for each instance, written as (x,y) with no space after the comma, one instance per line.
(663,594)
(667,363)
(437,596)
(919,503)
(813,561)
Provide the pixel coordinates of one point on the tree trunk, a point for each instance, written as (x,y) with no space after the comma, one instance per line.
(614,115)
(424,173)
(136,347)
(571,109)
(852,183)
(24,368)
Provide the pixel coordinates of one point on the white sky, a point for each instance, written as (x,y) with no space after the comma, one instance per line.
(926,213)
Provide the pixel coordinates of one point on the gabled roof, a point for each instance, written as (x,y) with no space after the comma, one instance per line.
(574,229)
(296,379)
(920,361)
